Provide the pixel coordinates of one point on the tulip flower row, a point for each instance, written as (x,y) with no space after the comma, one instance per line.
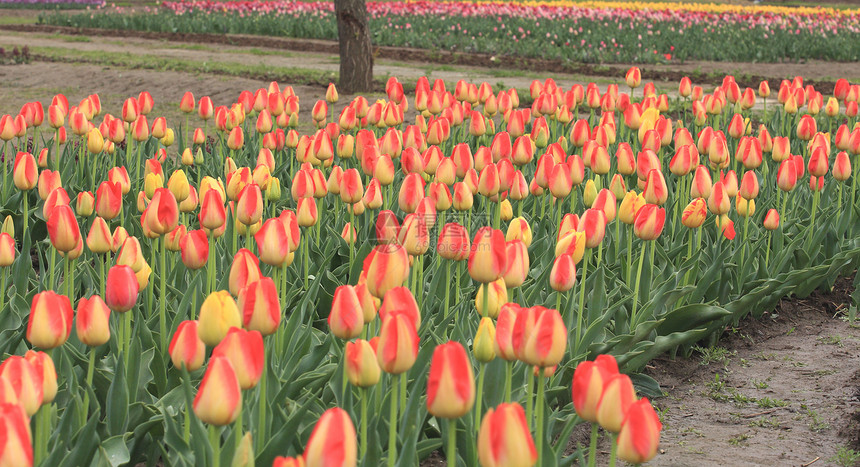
(52,4)
(569,31)
(412,241)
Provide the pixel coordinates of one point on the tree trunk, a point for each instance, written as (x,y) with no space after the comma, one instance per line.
(356,56)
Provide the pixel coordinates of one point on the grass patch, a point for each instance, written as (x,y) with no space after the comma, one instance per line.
(845,456)
(710,355)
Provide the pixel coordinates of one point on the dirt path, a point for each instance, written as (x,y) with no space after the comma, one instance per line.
(782,390)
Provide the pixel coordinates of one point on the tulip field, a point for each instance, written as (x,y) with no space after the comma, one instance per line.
(644,32)
(448,270)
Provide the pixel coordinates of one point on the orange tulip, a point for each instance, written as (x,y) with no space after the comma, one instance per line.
(63,228)
(25,171)
(26,382)
(649,222)
(593,224)
(194,248)
(219,399)
(414,235)
(7,250)
(162,213)
(333,441)
(545,344)
(453,242)
(244,349)
(563,275)
(272,242)
(346,319)
(618,395)
(386,267)
(639,437)
(121,288)
(517,263)
(16,448)
(451,384)
(93,321)
(50,322)
(589,381)
(487,259)
(362,369)
(260,306)
(771,220)
(695,213)
(249,206)
(186,349)
(400,300)
(398,344)
(504,439)
(244,270)
(718,202)
(842,167)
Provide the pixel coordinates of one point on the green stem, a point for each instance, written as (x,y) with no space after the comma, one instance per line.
(815,201)
(162,311)
(90,369)
(447,288)
(592,447)
(392,425)
(263,407)
(629,233)
(215,442)
(530,399)
(363,431)
(481,373)
(578,331)
(539,430)
(451,452)
(238,428)
(305,248)
(127,334)
(351,245)
(25,219)
(636,286)
(509,370)
(613,449)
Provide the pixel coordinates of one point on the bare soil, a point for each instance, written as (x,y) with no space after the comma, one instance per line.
(782,390)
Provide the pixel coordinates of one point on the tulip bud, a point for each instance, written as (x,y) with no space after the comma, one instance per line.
(618,395)
(93,321)
(451,384)
(121,288)
(281,461)
(260,306)
(401,300)
(219,399)
(186,349)
(649,222)
(483,346)
(332,441)
(218,314)
(504,439)
(362,369)
(639,437)
(50,322)
(517,263)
